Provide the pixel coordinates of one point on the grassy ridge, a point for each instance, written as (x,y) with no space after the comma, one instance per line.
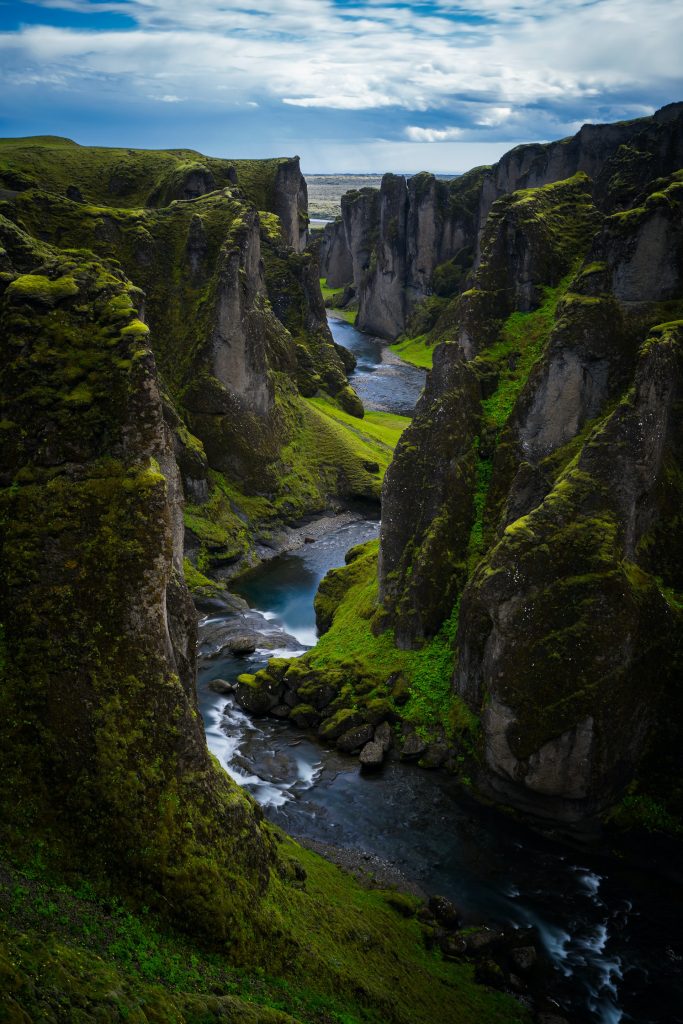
(125,178)
(351,956)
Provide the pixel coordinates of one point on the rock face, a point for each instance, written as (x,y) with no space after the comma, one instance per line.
(336,264)
(390,241)
(533,499)
(237,320)
(398,245)
(290,203)
(109,760)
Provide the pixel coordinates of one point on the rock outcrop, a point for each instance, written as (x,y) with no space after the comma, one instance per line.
(290,203)
(237,319)
(411,240)
(103,753)
(531,495)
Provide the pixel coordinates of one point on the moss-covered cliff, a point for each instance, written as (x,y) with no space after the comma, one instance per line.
(237,324)
(557,400)
(407,248)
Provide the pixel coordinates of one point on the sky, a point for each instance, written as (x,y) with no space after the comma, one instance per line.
(364,86)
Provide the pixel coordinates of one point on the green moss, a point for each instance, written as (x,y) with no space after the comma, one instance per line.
(513,356)
(353,650)
(641,811)
(333,297)
(198,583)
(80,952)
(36,288)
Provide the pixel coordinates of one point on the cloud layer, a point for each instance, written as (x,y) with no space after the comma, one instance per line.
(442,71)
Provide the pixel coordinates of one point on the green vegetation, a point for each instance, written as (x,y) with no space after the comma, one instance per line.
(414,685)
(419,351)
(512,358)
(333,297)
(81,951)
(374,437)
(130,178)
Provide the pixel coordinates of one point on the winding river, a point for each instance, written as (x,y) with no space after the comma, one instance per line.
(611,930)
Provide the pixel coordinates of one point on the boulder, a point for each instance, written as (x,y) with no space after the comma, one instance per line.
(384,736)
(257,696)
(221,686)
(371,756)
(353,739)
(413,747)
(445,912)
(434,756)
(524,958)
(304,715)
(243,643)
(342,721)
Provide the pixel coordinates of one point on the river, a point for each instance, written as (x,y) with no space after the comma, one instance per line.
(611,930)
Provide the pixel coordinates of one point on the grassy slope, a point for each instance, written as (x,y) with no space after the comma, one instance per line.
(124,178)
(374,437)
(351,957)
(332,298)
(417,351)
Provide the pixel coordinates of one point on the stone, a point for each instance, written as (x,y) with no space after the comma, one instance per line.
(481,940)
(221,686)
(371,756)
(280,711)
(243,643)
(434,756)
(353,739)
(445,912)
(413,747)
(342,721)
(304,715)
(384,736)
(524,958)
(257,698)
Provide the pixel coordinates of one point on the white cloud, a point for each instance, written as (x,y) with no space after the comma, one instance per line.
(432,134)
(170,98)
(528,64)
(495,116)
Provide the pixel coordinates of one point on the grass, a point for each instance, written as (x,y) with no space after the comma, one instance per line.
(125,178)
(522,340)
(332,298)
(350,644)
(373,438)
(417,351)
(75,952)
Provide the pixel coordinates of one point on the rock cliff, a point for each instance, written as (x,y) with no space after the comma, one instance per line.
(422,237)
(136,879)
(521,620)
(103,753)
(238,325)
(542,463)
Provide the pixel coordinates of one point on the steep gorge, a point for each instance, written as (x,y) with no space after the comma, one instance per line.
(159,337)
(166,357)
(530,543)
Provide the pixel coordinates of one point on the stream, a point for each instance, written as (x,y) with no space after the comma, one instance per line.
(611,930)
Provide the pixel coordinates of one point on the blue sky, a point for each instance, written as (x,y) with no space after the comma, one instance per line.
(370,85)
